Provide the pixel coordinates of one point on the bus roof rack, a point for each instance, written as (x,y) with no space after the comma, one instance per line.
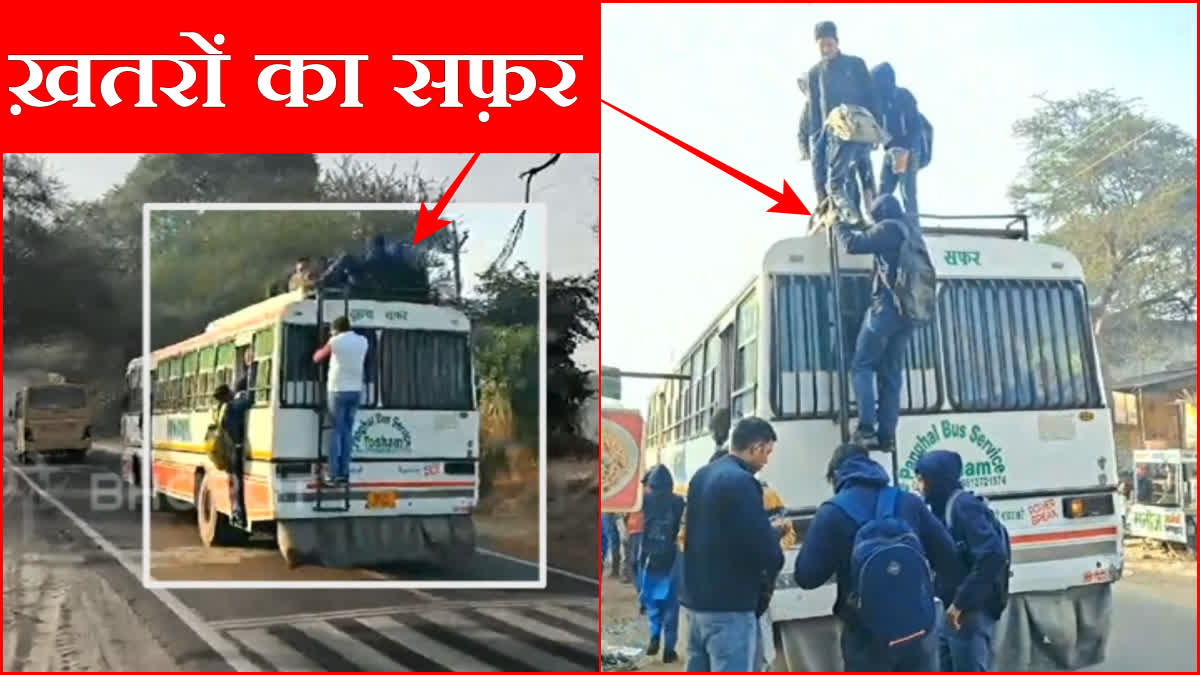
(1016,227)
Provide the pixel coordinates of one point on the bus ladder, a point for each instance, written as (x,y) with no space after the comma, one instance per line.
(843,387)
(324,414)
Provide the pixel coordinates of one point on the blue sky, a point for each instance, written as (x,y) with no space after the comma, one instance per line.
(679,238)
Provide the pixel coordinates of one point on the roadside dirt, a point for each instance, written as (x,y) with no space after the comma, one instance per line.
(623,629)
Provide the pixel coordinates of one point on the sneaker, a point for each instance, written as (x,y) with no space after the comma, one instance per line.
(865,439)
(653,648)
(669,656)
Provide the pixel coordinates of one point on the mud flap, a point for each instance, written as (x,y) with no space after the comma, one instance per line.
(356,542)
(1038,632)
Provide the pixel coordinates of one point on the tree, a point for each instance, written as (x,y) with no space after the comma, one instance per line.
(1117,188)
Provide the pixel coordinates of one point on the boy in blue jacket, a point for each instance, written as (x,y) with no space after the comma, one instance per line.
(977,594)
(827,549)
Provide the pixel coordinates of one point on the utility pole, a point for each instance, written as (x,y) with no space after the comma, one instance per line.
(456,251)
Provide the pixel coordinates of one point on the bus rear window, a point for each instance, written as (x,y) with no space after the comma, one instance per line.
(57,398)
(1017,345)
(425,370)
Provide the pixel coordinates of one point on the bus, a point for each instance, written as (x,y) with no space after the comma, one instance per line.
(52,419)
(414,479)
(1007,375)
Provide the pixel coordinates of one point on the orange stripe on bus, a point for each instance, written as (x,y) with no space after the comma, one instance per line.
(410,483)
(1042,537)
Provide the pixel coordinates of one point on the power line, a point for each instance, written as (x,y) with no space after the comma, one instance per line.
(514,235)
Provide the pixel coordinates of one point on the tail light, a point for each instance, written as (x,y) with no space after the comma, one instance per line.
(1091,505)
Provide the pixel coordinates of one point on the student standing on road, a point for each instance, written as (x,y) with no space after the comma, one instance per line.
(658,564)
(902,152)
(976,597)
(610,540)
(347,354)
(885,601)
(634,524)
(842,80)
(729,549)
(885,331)
(236,407)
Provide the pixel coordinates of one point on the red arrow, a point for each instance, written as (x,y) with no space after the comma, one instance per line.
(785,202)
(429,222)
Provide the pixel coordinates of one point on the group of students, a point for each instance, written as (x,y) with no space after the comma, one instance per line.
(849,111)
(393,269)
(921,579)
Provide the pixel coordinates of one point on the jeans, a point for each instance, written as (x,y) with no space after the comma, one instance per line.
(610,538)
(237,484)
(849,163)
(879,357)
(722,642)
(343,405)
(907,180)
(632,556)
(968,649)
(860,655)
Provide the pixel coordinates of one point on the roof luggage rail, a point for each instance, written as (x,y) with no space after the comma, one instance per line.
(1016,228)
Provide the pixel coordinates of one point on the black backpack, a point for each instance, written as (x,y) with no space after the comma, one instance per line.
(658,544)
(915,290)
(926,141)
(1001,530)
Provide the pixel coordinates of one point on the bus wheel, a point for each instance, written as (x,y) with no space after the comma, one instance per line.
(214,526)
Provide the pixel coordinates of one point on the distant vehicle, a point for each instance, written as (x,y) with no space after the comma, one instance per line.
(1006,374)
(52,419)
(414,479)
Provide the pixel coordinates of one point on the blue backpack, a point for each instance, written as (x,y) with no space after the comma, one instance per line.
(891,584)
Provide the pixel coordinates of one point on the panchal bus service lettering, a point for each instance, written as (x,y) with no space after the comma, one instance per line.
(413,483)
(1007,375)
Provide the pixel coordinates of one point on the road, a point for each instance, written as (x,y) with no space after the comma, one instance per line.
(1154,624)
(60,527)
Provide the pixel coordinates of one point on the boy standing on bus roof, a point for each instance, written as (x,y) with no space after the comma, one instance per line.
(347,354)
(976,597)
(885,332)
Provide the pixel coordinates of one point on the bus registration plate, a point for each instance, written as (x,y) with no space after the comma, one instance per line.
(381,500)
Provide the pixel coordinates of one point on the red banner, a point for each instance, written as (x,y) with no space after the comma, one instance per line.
(260,77)
(620,460)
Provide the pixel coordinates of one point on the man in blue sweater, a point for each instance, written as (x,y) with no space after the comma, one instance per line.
(885,333)
(827,549)
(729,548)
(977,595)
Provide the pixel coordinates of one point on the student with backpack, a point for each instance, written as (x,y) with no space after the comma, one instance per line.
(902,298)
(904,150)
(975,597)
(883,545)
(659,561)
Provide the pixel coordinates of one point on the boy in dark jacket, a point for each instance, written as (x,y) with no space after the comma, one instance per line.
(839,79)
(827,549)
(902,122)
(884,334)
(729,549)
(974,596)
(659,560)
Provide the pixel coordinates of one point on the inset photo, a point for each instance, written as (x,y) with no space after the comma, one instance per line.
(321,379)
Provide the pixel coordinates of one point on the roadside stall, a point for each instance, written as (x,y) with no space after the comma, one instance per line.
(1163,497)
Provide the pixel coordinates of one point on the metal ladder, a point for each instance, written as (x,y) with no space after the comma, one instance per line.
(339,503)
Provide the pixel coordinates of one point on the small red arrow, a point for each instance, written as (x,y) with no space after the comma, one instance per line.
(785,202)
(429,222)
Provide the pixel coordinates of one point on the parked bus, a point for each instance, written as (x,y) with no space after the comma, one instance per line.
(52,419)
(1007,375)
(414,479)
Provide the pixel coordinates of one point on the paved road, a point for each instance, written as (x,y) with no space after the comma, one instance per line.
(308,630)
(1154,624)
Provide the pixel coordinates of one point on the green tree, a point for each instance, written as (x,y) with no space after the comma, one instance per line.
(1118,189)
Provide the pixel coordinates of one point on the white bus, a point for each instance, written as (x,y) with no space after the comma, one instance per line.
(414,480)
(1007,376)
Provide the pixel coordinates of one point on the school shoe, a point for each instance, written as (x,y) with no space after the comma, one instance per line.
(653,648)
(865,439)
(669,656)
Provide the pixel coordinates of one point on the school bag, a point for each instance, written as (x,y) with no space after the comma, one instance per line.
(891,584)
(217,441)
(658,544)
(926,141)
(1001,530)
(915,289)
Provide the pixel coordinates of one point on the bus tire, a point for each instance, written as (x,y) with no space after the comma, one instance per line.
(214,526)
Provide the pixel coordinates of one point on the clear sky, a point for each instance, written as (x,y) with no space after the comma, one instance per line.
(567,189)
(680,238)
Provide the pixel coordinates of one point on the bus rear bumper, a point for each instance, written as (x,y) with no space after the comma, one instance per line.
(444,540)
